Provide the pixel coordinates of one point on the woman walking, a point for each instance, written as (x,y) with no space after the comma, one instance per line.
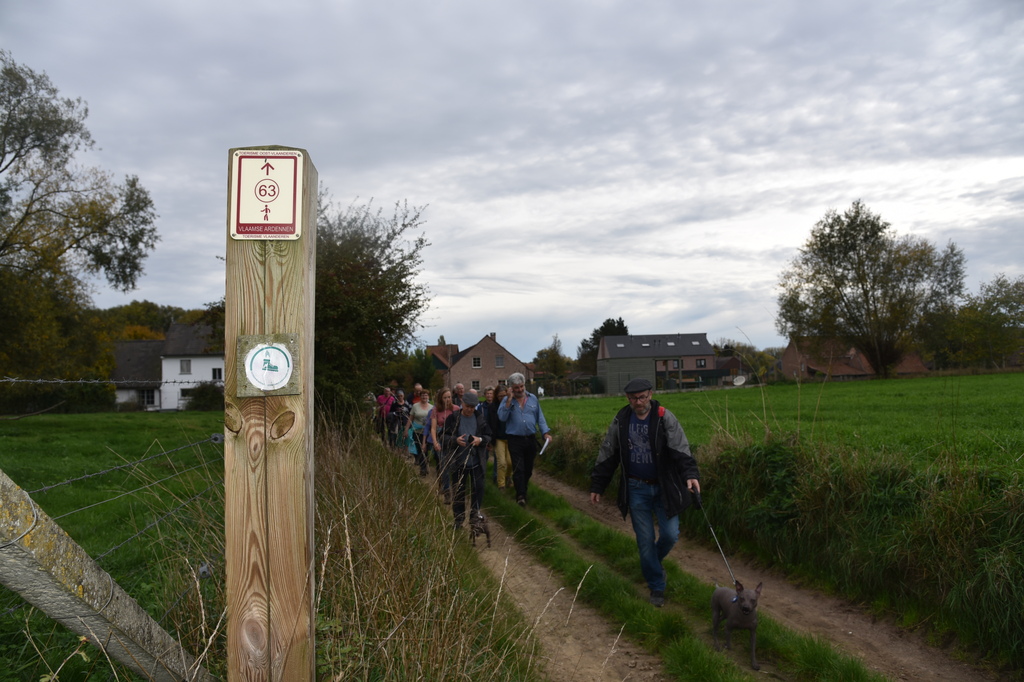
(443,408)
(417,422)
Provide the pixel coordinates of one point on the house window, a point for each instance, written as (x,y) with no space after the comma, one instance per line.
(218,374)
(675,364)
(147,397)
(185,367)
(499,361)
(477,363)
(701,363)
(476,385)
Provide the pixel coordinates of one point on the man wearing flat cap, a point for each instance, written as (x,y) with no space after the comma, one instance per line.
(464,439)
(658,476)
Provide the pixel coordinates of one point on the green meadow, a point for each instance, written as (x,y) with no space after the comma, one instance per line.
(978,419)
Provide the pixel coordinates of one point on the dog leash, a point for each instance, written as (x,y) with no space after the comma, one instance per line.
(699,505)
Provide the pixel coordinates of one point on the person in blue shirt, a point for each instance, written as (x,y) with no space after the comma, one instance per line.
(659,476)
(523,419)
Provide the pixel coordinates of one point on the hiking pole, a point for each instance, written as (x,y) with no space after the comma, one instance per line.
(697,503)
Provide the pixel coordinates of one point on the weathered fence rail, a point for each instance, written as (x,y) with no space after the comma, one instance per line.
(41,562)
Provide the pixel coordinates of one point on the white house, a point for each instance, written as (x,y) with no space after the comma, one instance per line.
(160,375)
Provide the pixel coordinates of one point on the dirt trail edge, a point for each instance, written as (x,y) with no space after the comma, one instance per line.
(881,646)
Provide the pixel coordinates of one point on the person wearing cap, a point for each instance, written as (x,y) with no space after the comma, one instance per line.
(523,419)
(659,474)
(464,439)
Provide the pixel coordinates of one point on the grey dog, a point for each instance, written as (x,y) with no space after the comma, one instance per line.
(478,526)
(738,608)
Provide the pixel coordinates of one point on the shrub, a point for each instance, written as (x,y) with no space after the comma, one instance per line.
(206,397)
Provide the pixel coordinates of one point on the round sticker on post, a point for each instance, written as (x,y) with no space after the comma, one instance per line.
(268,367)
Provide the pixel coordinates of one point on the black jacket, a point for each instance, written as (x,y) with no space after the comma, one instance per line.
(463,455)
(672,456)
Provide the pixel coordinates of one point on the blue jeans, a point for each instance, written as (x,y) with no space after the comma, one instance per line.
(644,504)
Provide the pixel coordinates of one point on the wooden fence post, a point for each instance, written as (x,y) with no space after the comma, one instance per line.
(268,417)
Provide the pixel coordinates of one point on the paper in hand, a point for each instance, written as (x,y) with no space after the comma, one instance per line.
(543,447)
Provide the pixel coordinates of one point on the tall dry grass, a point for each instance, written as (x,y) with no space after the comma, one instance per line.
(402,596)
(399,595)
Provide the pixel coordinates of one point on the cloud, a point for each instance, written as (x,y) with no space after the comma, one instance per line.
(656,161)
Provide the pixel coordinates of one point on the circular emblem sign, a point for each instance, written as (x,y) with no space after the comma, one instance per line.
(268,367)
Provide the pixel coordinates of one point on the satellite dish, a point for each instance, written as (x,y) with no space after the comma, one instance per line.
(739,381)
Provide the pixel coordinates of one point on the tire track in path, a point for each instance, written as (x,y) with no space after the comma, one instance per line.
(577,643)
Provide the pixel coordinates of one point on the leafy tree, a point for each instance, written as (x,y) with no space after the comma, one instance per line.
(857,281)
(212,317)
(368,302)
(50,334)
(991,323)
(551,361)
(125,320)
(758,362)
(417,367)
(60,223)
(423,370)
(138,332)
(586,353)
(55,216)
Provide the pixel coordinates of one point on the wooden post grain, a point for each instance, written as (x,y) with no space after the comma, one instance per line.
(268,448)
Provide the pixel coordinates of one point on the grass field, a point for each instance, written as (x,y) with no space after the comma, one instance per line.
(975,418)
(42,451)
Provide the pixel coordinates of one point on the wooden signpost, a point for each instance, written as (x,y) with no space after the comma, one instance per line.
(268,417)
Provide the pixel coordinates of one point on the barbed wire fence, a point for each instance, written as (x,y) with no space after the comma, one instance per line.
(159,514)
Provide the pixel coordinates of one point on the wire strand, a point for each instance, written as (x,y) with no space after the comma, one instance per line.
(129,492)
(214,438)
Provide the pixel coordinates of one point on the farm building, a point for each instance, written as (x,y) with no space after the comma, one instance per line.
(808,357)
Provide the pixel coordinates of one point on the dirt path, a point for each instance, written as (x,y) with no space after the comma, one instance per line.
(578,644)
(883,647)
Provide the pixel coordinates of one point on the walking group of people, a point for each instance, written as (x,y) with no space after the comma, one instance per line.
(461,431)
(658,479)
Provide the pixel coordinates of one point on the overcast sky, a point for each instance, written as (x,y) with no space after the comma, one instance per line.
(659,161)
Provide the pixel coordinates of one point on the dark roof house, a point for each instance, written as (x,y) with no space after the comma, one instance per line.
(668,358)
(160,374)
